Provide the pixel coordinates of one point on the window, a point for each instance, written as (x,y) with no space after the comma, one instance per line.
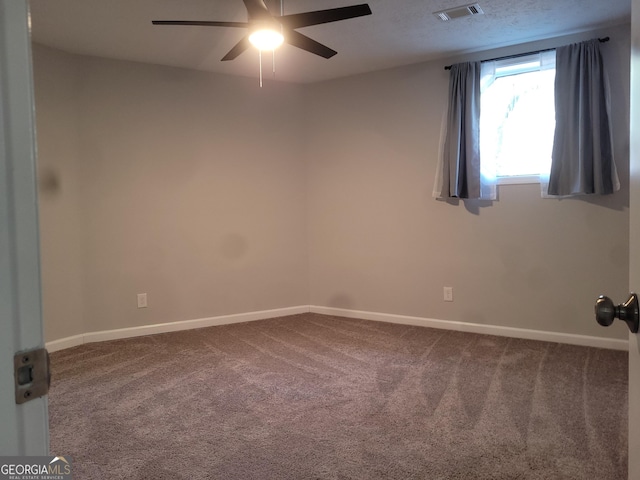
(517,118)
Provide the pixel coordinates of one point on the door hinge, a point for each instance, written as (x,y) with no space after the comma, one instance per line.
(32,374)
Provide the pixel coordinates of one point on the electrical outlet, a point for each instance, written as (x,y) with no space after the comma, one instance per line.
(448,294)
(142,300)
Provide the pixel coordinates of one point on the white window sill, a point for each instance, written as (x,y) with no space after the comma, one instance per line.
(518,180)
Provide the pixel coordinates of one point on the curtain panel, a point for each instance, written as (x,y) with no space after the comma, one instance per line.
(582,160)
(459,174)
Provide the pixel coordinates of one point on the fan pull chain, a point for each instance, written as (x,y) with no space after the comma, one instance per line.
(274,52)
(273,65)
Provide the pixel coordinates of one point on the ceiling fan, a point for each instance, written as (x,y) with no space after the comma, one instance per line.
(275,29)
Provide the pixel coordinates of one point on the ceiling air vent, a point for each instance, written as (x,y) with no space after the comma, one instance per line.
(459,12)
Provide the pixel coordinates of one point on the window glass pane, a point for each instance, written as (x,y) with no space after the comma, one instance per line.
(518,120)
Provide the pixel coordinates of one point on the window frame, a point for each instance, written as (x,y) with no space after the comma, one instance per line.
(518,65)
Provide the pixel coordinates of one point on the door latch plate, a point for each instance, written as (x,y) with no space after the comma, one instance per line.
(32,374)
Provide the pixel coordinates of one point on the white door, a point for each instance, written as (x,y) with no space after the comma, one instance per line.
(24,428)
(634,261)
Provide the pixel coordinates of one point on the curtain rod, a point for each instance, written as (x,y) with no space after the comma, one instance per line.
(602,40)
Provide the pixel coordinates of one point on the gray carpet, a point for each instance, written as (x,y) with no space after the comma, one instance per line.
(319,397)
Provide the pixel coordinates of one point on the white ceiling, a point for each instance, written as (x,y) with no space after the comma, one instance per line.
(399,32)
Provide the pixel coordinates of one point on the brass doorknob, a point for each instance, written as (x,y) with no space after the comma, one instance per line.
(607,312)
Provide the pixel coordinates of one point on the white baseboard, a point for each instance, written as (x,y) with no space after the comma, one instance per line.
(66,342)
(105,335)
(572,339)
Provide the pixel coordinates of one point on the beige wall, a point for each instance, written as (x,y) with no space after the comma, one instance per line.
(380,243)
(216,197)
(192,190)
(57,87)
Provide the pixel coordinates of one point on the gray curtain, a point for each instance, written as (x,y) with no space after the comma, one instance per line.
(461,147)
(582,159)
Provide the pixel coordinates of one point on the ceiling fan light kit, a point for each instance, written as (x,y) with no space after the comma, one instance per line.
(268,31)
(266,39)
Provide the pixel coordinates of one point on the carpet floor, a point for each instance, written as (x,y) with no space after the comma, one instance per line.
(319,397)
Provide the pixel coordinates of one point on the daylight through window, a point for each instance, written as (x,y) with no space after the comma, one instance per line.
(517,117)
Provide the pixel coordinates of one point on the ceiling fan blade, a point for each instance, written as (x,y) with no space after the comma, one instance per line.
(306,19)
(305,43)
(201,23)
(239,47)
(256,9)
